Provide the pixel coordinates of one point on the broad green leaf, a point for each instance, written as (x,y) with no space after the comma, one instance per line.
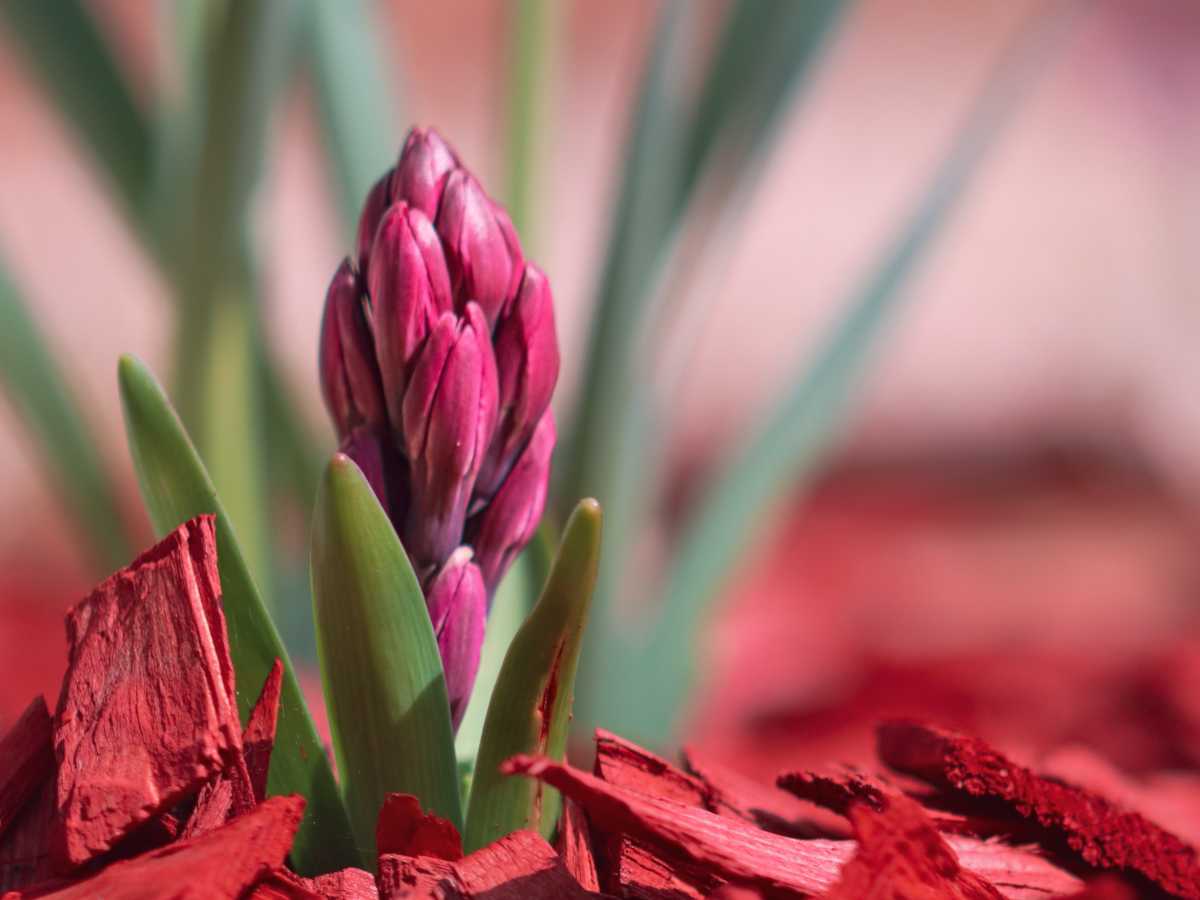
(654,661)
(386,695)
(66,48)
(355,100)
(175,488)
(65,444)
(530,708)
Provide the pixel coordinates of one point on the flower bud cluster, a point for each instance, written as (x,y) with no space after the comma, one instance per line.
(438,358)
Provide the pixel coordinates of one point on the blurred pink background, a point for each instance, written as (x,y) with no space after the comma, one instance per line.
(1061,309)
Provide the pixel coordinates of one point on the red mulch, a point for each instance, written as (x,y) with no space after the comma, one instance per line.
(144,785)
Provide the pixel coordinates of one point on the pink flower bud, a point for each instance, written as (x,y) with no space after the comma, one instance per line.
(503,528)
(476,245)
(448,418)
(379,198)
(365,445)
(350,381)
(409,287)
(421,173)
(457,603)
(527,362)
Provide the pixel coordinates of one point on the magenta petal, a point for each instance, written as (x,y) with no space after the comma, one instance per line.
(457,603)
(507,524)
(350,381)
(527,362)
(408,285)
(379,198)
(477,252)
(449,416)
(421,173)
(365,445)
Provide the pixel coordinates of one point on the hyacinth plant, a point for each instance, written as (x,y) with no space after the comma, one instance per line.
(438,357)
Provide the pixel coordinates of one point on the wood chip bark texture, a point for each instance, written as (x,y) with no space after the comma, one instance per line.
(1102,833)
(147,711)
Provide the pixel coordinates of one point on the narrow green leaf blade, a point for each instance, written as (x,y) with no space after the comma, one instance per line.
(533,26)
(388,708)
(176,487)
(656,661)
(66,48)
(356,106)
(530,709)
(66,445)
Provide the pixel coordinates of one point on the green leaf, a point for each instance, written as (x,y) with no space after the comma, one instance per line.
(356,105)
(532,31)
(530,709)
(66,445)
(67,50)
(683,153)
(653,661)
(175,488)
(386,695)
(219,342)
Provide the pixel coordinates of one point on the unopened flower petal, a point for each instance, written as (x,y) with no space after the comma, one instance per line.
(409,286)
(527,362)
(457,601)
(448,419)
(477,249)
(350,379)
(421,173)
(379,198)
(503,528)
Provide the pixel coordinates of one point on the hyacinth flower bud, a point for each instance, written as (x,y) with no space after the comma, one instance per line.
(379,198)
(477,249)
(503,528)
(425,162)
(350,378)
(448,419)
(409,287)
(513,243)
(457,602)
(527,361)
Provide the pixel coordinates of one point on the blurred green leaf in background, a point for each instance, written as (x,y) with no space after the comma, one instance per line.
(184,164)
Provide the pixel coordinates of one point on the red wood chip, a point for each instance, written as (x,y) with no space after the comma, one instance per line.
(1105,835)
(220,864)
(25,847)
(403,829)
(731,793)
(348,884)
(147,711)
(26,761)
(1106,888)
(283,884)
(259,738)
(732,892)
(575,846)
(627,765)
(634,870)
(729,850)
(901,855)
(227,796)
(839,790)
(520,866)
